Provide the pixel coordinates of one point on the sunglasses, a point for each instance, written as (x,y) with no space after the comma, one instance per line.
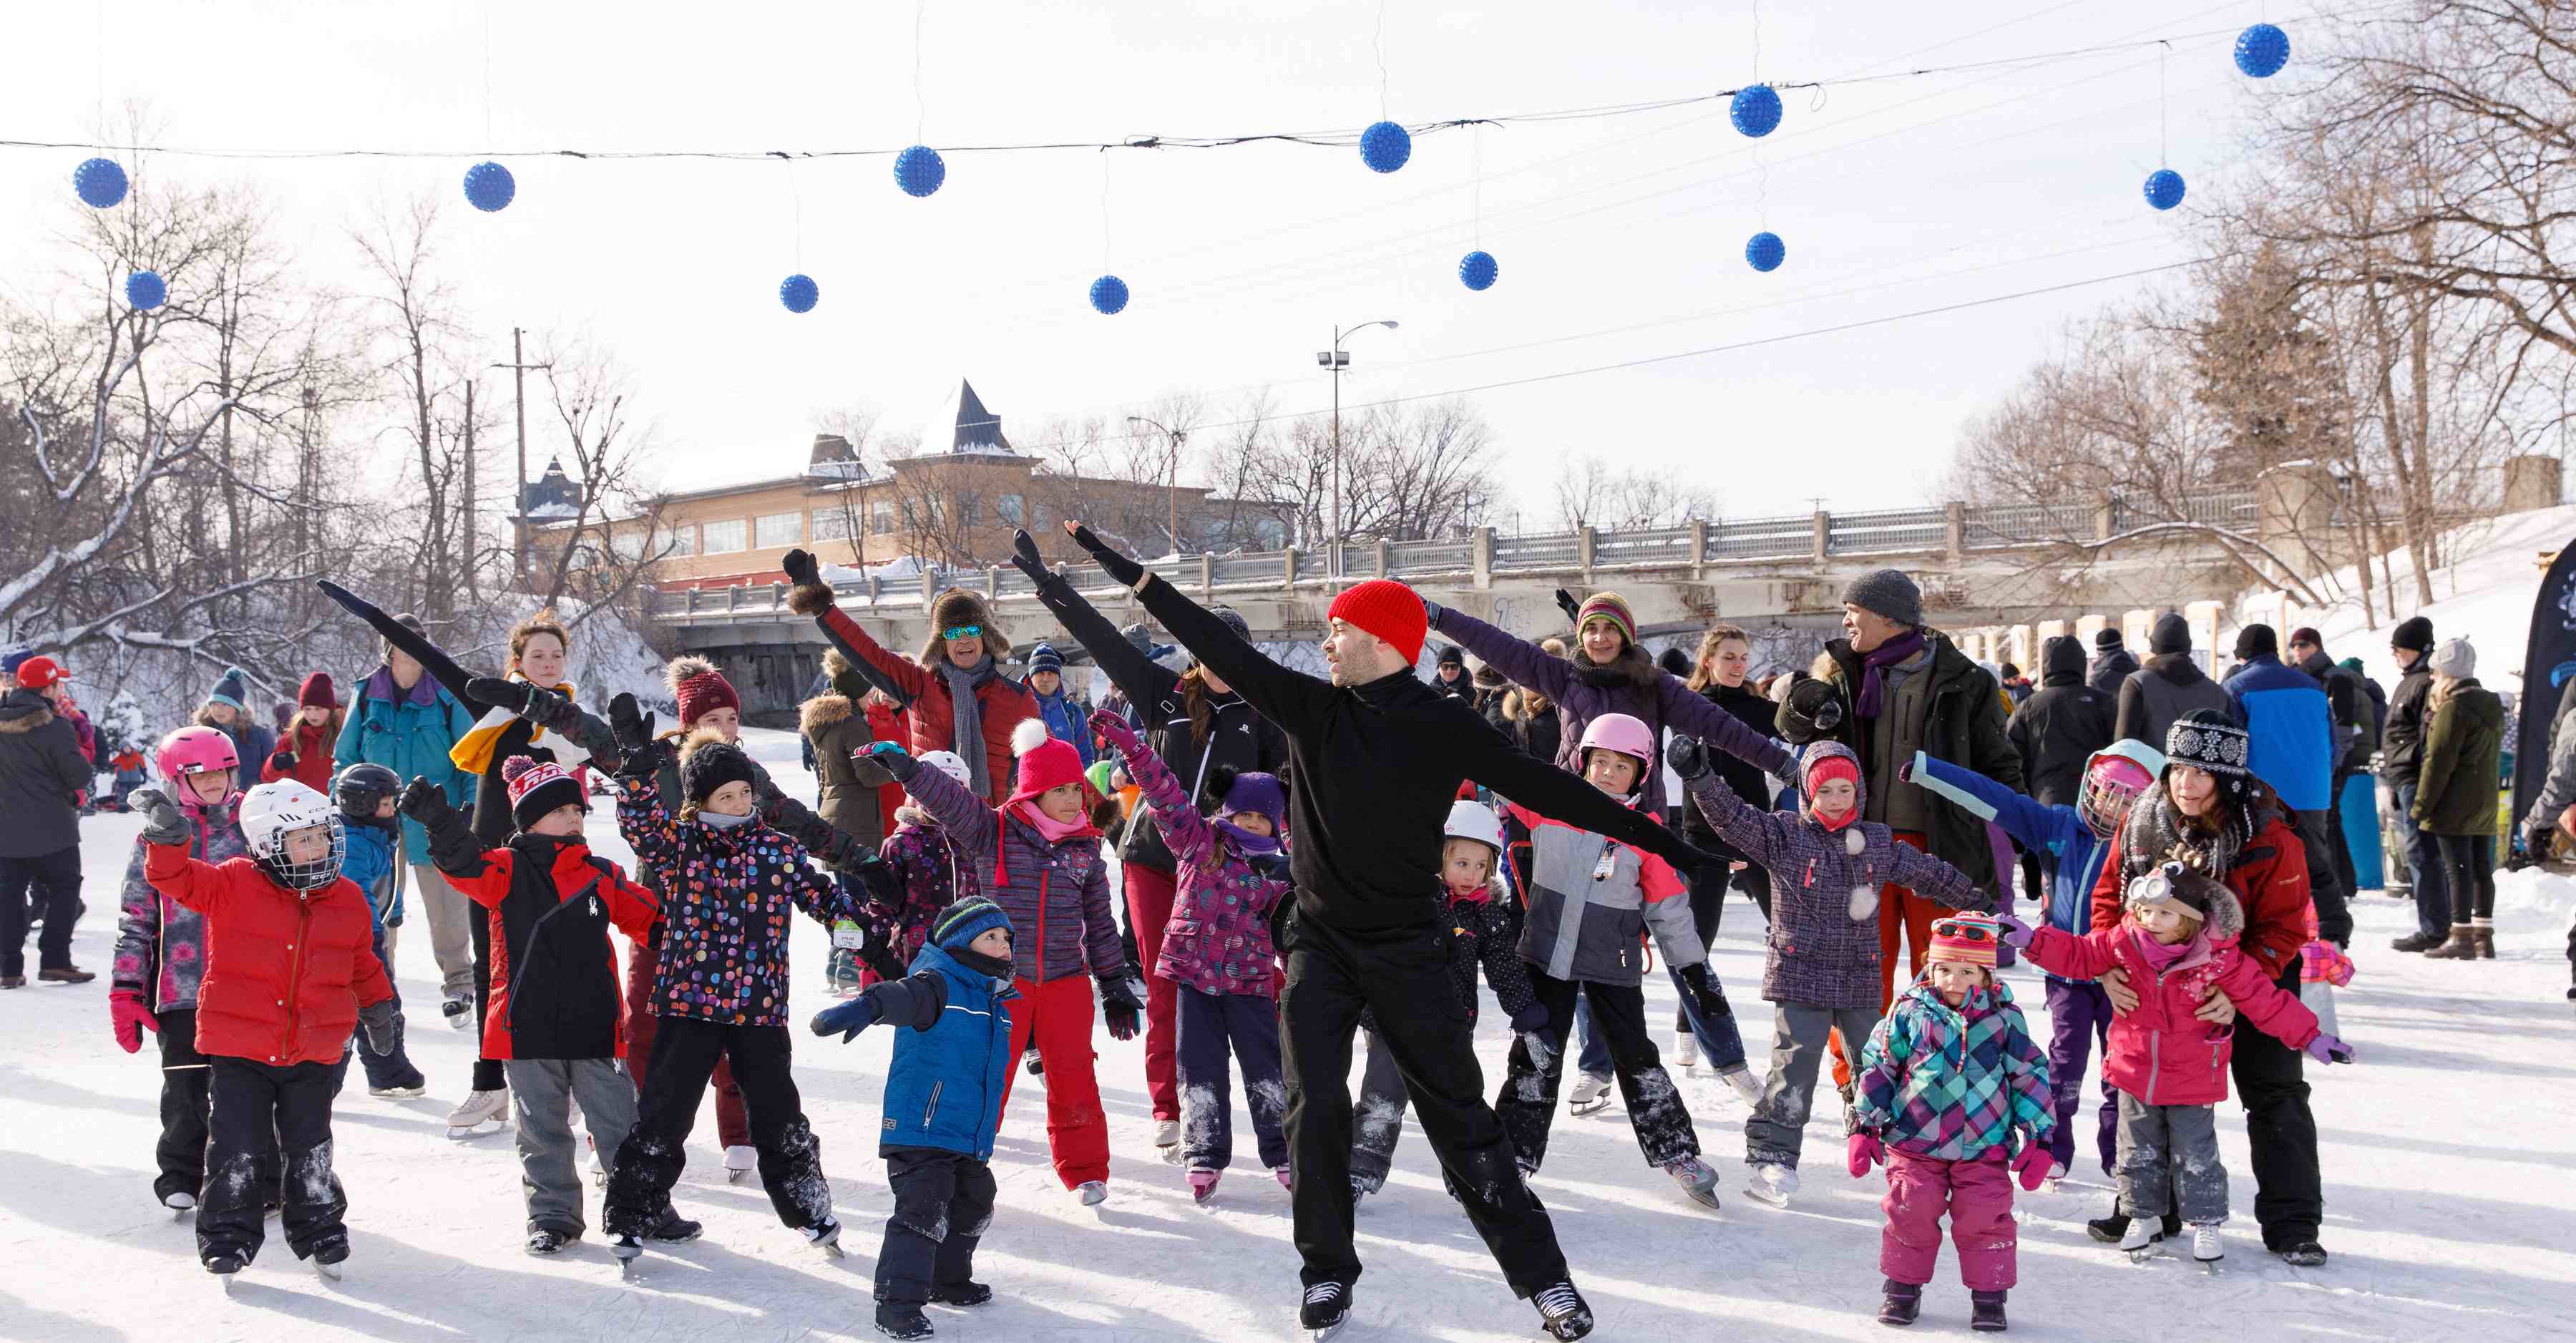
(1962,931)
(2156,887)
(962,632)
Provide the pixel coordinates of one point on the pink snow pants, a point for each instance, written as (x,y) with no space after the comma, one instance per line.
(1977,1194)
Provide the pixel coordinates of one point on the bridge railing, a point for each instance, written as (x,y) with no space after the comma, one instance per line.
(1723,540)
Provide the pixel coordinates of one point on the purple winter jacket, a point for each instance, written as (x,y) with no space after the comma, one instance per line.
(935,875)
(1651,695)
(1823,947)
(160,943)
(1218,940)
(1057,894)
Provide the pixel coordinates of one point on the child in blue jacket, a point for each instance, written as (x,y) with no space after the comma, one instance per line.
(365,794)
(943,1102)
(2076,840)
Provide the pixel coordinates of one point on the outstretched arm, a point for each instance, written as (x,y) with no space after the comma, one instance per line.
(1290,699)
(1521,662)
(441,667)
(2030,823)
(1488,757)
(1184,831)
(1140,678)
(896,676)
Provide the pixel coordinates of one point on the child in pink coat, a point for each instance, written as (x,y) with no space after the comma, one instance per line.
(2176,944)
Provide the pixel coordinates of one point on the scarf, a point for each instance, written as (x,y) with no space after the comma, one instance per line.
(723,822)
(2160,956)
(1245,842)
(1875,663)
(966,718)
(473,751)
(1055,831)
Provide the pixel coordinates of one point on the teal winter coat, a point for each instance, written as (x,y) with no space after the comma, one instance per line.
(409,732)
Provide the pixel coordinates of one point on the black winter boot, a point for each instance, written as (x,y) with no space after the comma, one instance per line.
(961,1293)
(896,1321)
(1986,1312)
(2418,941)
(1902,1302)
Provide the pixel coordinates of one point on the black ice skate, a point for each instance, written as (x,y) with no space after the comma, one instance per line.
(1562,1312)
(1325,1310)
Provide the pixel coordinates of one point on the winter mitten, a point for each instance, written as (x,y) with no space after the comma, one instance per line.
(2535,840)
(1687,756)
(1116,731)
(1431,612)
(2016,932)
(893,759)
(508,694)
(847,1019)
(162,823)
(383,1031)
(125,1008)
(2327,1049)
(800,568)
(1815,707)
(283,762)
(1026,559)
(1128,572)
(1118,1006)
(1706,996)
(1565,602)
(1530,1020)
(425,802)
(1864,1150)
(2031,1166)
(632,730)
(790,817)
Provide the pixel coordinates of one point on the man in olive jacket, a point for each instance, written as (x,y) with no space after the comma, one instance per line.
(1891,687)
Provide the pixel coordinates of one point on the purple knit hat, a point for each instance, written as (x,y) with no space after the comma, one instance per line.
(1255,792)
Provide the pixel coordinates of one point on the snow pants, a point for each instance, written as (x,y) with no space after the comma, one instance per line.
(685,1054)
(1536,1068)
(543,1091)
(1149,909)
(643,963)
(1777,1130)
(187,1094)
(1057,1017)
(255,1105)
(943,1201)
(2079,1019)
(1211,1024)
(1402,977)
(52,881)
(1977,1195)
(2169,1158)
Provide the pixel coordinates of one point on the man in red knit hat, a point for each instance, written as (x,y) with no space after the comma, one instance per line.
(1378,755)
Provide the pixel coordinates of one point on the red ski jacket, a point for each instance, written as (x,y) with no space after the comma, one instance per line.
(555,991)
(286,971)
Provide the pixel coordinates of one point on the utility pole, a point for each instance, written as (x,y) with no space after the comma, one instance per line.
(519,367)
(1172,475)
(1335,360)
(473,520)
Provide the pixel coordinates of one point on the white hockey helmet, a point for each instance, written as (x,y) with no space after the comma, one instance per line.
(953,765)
(271,812)
(1476,821)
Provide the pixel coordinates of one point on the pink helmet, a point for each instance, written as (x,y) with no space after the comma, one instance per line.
(2115,778)
(1621,733)
(194,750)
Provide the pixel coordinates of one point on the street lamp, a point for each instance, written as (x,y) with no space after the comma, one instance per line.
(1172,489)
(1335,360)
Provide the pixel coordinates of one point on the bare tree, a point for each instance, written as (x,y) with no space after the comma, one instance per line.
(601,563)
(1592,493)
(417,326)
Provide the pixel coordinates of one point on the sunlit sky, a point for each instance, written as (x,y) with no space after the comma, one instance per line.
(1619,238)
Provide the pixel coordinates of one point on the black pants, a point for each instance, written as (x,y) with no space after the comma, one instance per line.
(181,1153)
(1403,976)
(253,1105)
(2347,874)
(2468,873)
(478,926)
(2334,918)
(685,1050)
(53,881)
(943,1201)
(2289,1194)
(1527,1102)
(1210,1028)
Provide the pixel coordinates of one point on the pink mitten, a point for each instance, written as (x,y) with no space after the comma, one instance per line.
(2032,1166)
(1866,1151)
(125,1007)
(1114,730)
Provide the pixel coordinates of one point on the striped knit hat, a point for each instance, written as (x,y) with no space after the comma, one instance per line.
(963,922)
(1966,938)
(1608,606)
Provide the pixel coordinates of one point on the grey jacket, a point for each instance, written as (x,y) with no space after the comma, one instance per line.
(42,773)
(1591,899)
(2558,791)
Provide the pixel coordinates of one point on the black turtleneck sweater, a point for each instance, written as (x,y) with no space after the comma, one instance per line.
(1377,766)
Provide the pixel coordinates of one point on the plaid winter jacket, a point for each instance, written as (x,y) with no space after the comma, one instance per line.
(1953,1083)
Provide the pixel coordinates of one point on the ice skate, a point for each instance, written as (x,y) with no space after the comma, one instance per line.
(2140,1240)
(1562,1312)
(1326,1309)
(825,1235)
(1698,1180)
(459,1011)
(1091,1193)
(1899,1303)
(740,1162)
(1590,1095)
(671,1228)
(1167,1137)
(225,1267)
(403,1090)
(895,1321)
(628,1247)
(1746,1086)
(1282,1173)
(2056,1176)
(2305,1254)
(2206,1248)
(1685,1050)
(483,1113)
(1772,1183)
(327,1261)
(1203,1185)
(180,1203)
(545,1240)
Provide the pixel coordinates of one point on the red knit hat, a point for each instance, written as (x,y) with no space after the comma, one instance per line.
(537,787)
(1824,771)
(317,693)
(1045,762)
(1387,609)
(700,689)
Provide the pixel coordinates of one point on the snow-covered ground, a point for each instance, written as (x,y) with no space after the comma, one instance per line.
(2449,1153)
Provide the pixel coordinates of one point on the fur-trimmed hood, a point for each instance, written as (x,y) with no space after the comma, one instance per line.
(1816,754)
(823,711)
(23,710)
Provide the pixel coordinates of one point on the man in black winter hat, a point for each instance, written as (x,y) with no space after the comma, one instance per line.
(2169,685)
(2401,765)
(2112,661)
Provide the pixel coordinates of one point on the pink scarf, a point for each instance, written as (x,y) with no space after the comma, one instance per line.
(1056,831)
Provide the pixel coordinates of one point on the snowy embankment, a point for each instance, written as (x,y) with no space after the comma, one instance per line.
(2449,1157)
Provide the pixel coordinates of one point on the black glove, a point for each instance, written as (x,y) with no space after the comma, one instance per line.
(384,1033)
(162,823)
(2536,840)
(282,760)
(1025,558)
(1688,758)
(425,802)
(1573,609)
(801,569)
(633,732)
(1814,709)
(1431,612)
(1530,1018)
(792,818)
(1117,566)
(1706,997)
(500,690)
(1118,1006)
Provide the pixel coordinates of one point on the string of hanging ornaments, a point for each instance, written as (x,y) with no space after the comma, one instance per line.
(2261,51)
(1108,293)
(1477,270)
(1755,112)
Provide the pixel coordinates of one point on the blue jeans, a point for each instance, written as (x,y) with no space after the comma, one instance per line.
(1721,1044)
(2432,895)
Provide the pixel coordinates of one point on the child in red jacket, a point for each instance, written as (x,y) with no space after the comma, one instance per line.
(2177,943)
(291,970)
(556,1009)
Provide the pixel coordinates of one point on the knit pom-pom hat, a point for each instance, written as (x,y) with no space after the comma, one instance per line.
(699,688)
(537,787)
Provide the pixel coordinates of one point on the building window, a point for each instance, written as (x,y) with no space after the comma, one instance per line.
(881,518)
(969,506)
(722,538)
(627,544)
(1012,509)
(676,542)
(780,529)
(831,524)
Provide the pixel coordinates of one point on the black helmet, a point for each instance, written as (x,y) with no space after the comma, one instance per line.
(362,787)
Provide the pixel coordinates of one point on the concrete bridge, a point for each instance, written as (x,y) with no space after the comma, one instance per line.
(1991,575)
